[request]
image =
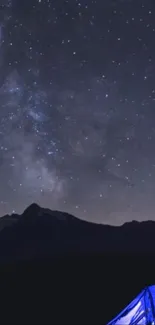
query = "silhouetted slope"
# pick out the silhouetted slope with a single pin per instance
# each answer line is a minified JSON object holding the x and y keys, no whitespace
{"x":8,"y":221}
{"x":40,"y":232}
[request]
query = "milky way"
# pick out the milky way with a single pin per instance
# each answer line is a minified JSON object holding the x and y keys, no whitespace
{"x":77,"y":107}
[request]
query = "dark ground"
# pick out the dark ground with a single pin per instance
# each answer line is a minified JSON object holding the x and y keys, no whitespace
{"x":73,"y":290}
{"x":88,"y":285}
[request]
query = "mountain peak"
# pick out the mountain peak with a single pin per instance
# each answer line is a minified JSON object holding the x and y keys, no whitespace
{"x":33,"y":208}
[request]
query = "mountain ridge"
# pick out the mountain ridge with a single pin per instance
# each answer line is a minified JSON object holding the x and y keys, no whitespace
{"x":40,"y":232}
{"x":35,"y":208}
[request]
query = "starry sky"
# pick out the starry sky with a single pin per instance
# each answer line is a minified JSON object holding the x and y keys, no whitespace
{"x":77,"y":107}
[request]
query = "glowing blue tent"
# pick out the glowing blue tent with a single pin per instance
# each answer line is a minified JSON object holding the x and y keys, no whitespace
{"x":141,"y":311}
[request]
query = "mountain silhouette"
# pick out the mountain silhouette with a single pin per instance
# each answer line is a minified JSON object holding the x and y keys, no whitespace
{"x":58,"y":269}
{"x":40,"y":232}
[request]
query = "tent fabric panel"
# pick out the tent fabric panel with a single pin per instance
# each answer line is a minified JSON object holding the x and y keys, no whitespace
{"x":141,"y":311}
{"x":128,"y":310}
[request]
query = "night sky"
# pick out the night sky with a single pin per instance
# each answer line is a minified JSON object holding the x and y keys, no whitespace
{"x":77,"y":107}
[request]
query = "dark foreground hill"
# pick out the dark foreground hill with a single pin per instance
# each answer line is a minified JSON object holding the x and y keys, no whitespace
{"x":55,"y":268}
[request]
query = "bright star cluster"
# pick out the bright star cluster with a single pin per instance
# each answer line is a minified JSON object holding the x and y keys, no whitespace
{"x":77,"y":107}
